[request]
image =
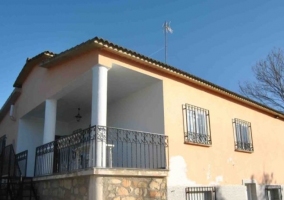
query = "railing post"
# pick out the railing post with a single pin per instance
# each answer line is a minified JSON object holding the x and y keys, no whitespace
{"x":68,"y":159}
{"x":20,"y":192}
{"x":2,"y":156}
{"x":55,"y":157}
{"x":26,"y":165}
{"x":109,"y":154}
{"x":92,"y":150}
{"x":9,"y":165}
{"x":35,"y":167}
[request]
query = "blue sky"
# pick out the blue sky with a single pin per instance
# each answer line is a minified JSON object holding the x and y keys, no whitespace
{"x":216,"y":40}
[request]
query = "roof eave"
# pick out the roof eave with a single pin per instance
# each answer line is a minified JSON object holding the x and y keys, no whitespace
{"x":181,"y":74}
{"x":70,"y":53}
{"x":108,"y":46}
{"x":30,"y":63}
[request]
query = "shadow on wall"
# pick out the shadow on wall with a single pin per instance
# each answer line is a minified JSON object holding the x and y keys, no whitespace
{"x":219,"y":195}
{"x":266,"y":179}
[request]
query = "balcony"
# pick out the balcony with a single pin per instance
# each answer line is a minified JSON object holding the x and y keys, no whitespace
{"x":102,"y":147}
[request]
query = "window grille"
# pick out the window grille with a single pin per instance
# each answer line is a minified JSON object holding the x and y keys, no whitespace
{"x":197,"y":125}
{"x":273,"y":192}
{"x":243,"y":135}
{"x":200,"y":193}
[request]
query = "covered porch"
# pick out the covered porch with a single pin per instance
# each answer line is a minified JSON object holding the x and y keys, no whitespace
{"x":121,"y":125}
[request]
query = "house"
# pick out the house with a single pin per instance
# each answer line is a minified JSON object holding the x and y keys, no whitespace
{"x":99,"y":121}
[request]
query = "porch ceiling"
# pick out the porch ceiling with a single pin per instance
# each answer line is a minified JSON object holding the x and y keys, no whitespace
{"x":121,"y":83}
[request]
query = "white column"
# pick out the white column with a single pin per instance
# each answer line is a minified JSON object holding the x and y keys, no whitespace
{"x":49,"y":120}
{"x":99,"y":95}
{"x":99,"y":111}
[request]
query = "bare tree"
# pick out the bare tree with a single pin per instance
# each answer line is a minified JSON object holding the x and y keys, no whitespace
{"x":268,"y":87}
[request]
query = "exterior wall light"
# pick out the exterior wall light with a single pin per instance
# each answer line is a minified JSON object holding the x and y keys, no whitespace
{"x":78,"y":116}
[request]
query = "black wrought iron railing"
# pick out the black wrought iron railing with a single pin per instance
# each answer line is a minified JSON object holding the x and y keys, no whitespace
{"x":12,"y":174}
{"x":198,"y":138}
{"x":244,"y":146}
{"x":2,"y":147}
{"x":200,"y":193}
{"x":22,"y":161}
{"x":44,"y":160}
{"x":101,"y":146}
{"x":9,"y":165}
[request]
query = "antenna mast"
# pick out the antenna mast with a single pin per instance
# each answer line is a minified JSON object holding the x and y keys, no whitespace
{"x":167,"y":29}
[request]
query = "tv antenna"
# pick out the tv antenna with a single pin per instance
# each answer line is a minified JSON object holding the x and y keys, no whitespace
{"x":167,"y":29}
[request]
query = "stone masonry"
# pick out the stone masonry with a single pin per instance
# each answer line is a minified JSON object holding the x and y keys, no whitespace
{"x":135,"y":188}
{"x":114,"y":184}
{"x":64,"y":189}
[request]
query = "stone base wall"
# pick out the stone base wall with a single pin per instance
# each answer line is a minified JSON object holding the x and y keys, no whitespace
{"x":75,"y":188}
{"x":135,"y":188}
{"x":104,"y":184}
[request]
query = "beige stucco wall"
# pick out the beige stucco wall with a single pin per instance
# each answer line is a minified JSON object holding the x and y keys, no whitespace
{"x":9,"y":128}
{"x":218,"y":164}
{"x":42,"y":84}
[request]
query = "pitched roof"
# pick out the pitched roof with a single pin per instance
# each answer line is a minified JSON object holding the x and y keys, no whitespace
{"x":119,"y":50}
{"x":30,"y":63}
{"x":49,"y":59}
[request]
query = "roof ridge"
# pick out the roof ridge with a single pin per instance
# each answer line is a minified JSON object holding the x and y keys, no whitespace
{"x":50,"y":53}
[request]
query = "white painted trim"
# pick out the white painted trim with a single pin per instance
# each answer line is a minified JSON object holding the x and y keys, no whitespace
{"x":246,"y":181}
{"x":49,"y":120}
{"x":108,"y":172}
{"x":99,"y":95}
{"x":99,"y":117}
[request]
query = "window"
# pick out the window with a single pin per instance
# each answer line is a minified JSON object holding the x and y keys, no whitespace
{"x":200,"y":193}
{"x":273,"y":192}
{"x":243,"y":136}
{"x":197,"y":126}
